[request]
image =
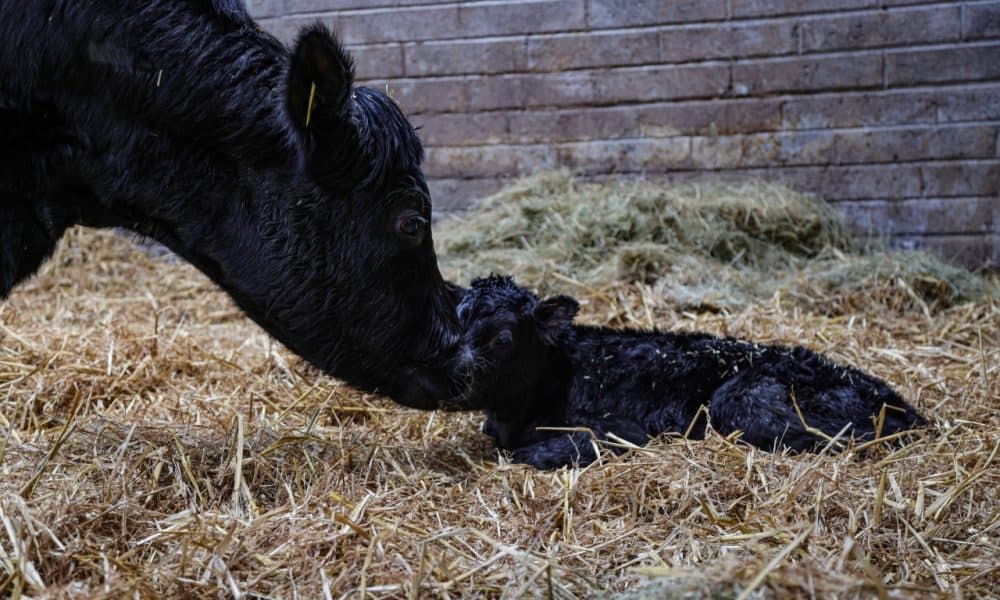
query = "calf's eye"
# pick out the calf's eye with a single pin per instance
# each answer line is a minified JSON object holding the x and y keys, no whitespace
{"x":502,"y":339}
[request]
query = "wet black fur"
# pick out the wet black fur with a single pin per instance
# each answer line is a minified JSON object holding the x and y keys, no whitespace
{"x":181,"y":120}
{"x":534,"y":368}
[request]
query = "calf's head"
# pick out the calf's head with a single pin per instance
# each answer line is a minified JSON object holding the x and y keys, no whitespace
{"x":512,"y":335}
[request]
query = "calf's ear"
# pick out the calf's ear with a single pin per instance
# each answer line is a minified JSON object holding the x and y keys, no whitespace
{"x":554,"y":316}
{"x":320,"y":81}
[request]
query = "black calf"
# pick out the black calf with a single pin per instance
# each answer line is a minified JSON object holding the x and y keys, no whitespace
{"x":534,"y":369}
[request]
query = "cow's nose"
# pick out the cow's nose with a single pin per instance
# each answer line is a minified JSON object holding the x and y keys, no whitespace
{"x":465,"y":369}
{"x":462,"y":367}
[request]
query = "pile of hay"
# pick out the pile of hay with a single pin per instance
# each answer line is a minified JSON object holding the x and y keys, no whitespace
{"x":707,"y":246}
{"x":154,"y":441}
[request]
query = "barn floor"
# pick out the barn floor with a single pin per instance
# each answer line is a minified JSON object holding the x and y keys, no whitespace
{"x":156,"y":442}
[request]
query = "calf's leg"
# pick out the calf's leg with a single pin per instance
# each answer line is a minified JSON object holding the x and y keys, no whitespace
{"x":577,"y":448}
{"x":761,"y":407}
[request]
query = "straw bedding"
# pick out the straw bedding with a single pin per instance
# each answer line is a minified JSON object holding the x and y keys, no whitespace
{"x":156,"y":442}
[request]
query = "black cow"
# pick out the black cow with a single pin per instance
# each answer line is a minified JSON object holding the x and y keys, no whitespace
{"x":299,"y":194}
{"x":534,"y":369}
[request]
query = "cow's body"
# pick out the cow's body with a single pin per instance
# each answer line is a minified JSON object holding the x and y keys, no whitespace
{"x":299,"y":194}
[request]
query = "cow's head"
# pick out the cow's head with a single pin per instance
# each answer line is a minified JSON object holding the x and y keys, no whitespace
{"x":384,"y":319}
{"x":299,"y":194}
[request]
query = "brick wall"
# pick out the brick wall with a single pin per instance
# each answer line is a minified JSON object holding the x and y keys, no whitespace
{"x":889,"y":108}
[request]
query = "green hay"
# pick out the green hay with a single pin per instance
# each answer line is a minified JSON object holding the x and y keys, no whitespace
{"x":708,"y":246}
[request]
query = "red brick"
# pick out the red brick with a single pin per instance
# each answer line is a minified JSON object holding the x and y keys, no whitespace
{"x":843,"y":31}
{"x":882,"y":28}
{"x":762,"y":150}
{"x":464,"y":57}
{"x":285,"y":30}
{"x":911,"y":67}
{"x":923,"y":25}
{"x":873,"y":146}
{"x":303,"y":6}
{"x":970,"y":250}
{"x":454,"y":195}
{"x":894,"y":3}
{"x":834,"y":182}
{"x":624,"y":156}
{"x":381,"y":61}
{"x":870,"y":181}
{"x":950,"y":216}
{"x":507,"y":18}
{"x":502,"y":89}
{"x":808,"y":74}
{"x":487,"y":161}
{"x":892,"y":107}
{"x":982,"y":20}
{"x":624,"y":13}
{"x":442,"y":22}
{"x":722,"y":152}
{"x":788,"y":148}
{"x":426,"y":95}
{"x":861,"y":110}
{"x":312,"y":6}
{"x":559,"y":89}
{"x":272,"y":26}
{"x":534,"y":90}
{"x":391,"y":25}
{"x":497,"y":92}
{"x":699,"y":176}
{"x":566,"y":125}
{"x":710,"y":117}
{"x":730,"y":40}
{"x":574,"y":51}
{"x":971,"y":104}
{"x":865,"y":182}
{"x":762,"y":8}
{"x":962,"y":179}
{"x":818,"y":147}
{"x":264,"y":8}
{"x":603,"y":157}
{"x":649,"y":84}
{"x":460,"y":129}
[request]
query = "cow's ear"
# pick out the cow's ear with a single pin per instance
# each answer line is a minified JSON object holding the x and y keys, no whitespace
{"x":554,"y":317}
{"x":320,"y":80}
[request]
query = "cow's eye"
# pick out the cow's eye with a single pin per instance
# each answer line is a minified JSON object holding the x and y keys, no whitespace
{"x":412,"y":226}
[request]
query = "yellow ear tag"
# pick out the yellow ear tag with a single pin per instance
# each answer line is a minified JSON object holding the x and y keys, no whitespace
{"x":312,"y":98}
